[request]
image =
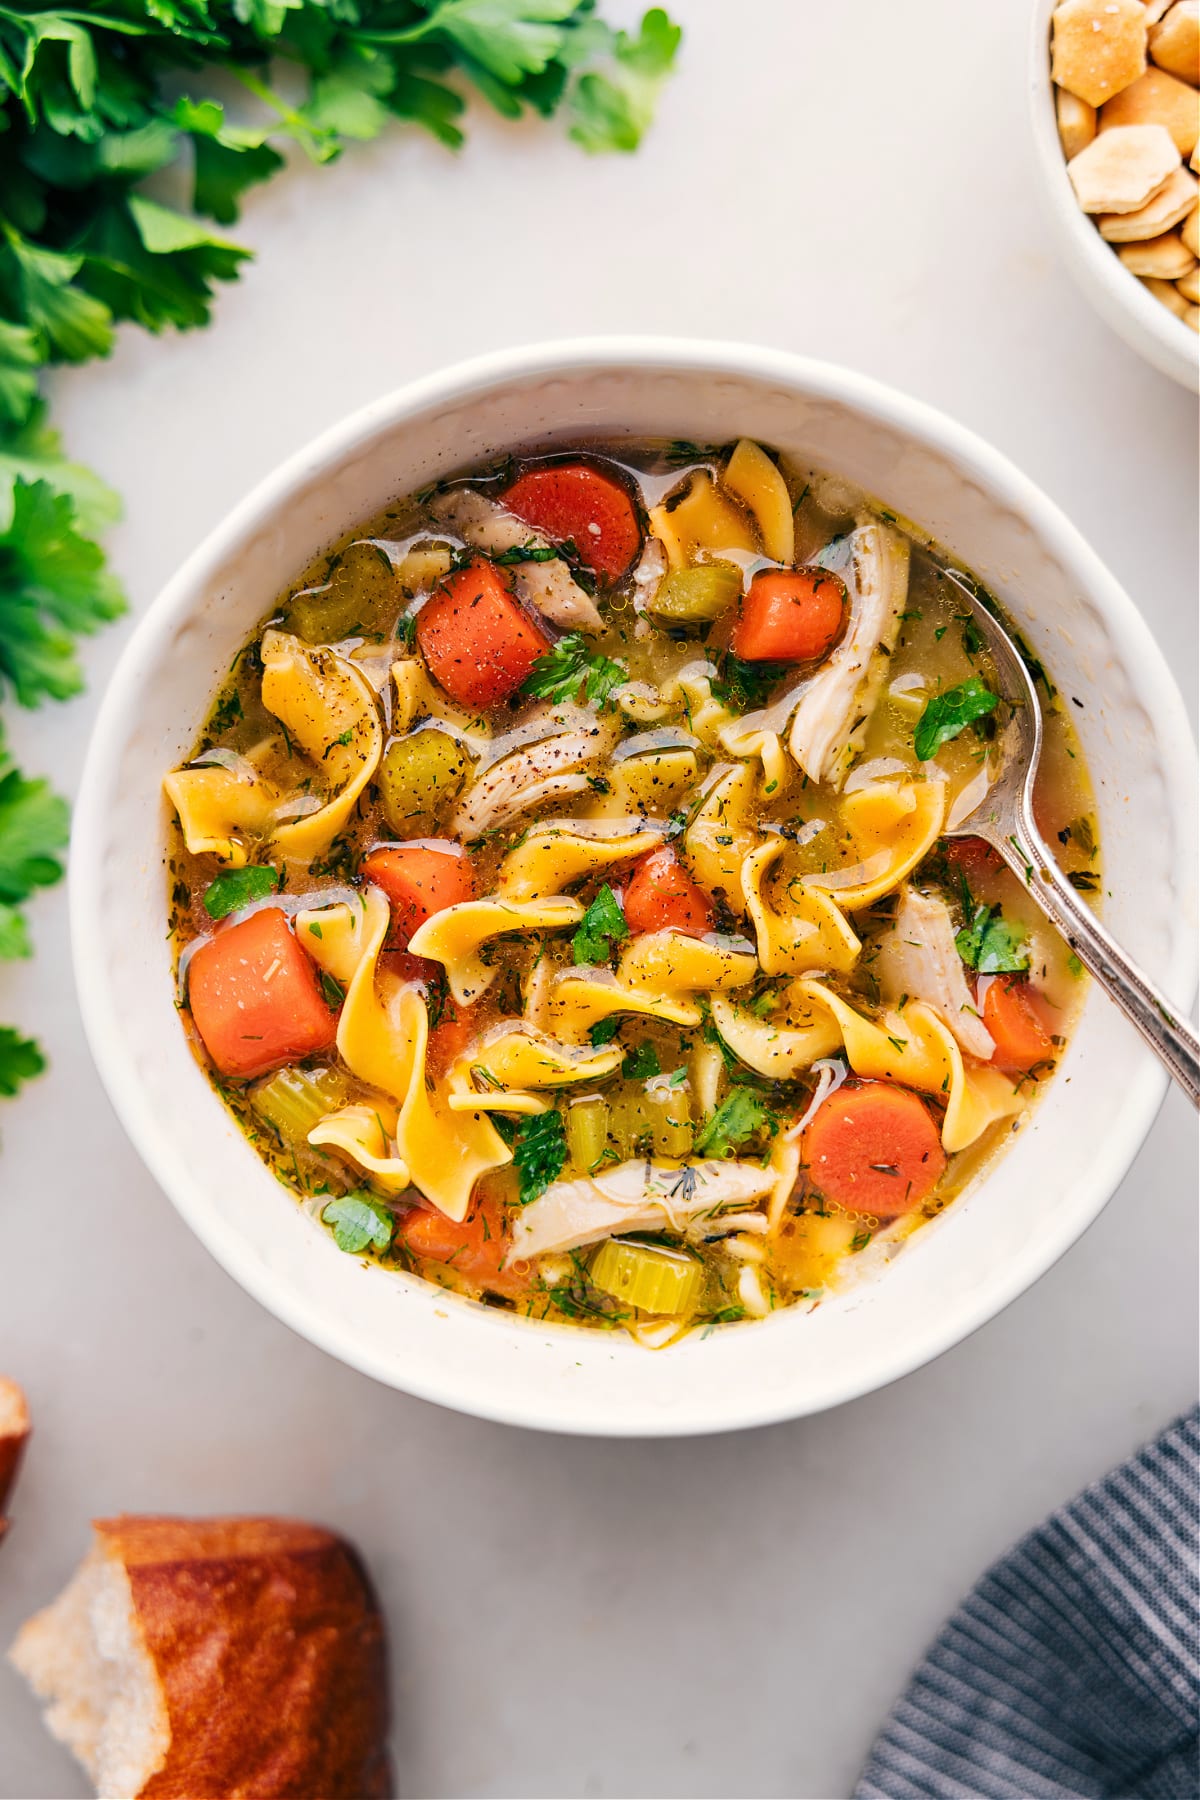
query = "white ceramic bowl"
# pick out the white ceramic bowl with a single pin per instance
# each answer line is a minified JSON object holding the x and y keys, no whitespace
{"x":960,"y":1270}
{"x":1119,"y":297}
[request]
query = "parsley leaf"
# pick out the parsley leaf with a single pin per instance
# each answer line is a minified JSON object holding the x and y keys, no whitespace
{"x":33,"y":452}
{"x":611,"y":108}
{"x":33,"y":829}
{"x":573,"y":671}
{"x":741,"y":1115}
{"x":540,"y":1154}
{"x":604,"y":1030}
{"x":641,"y":1063}
{"x":991,"y":945}
{"x":748,"y":685}
{"x":600,"y":930}
{"x":20,"y":1060}
{"x":359,"y":1221}
{"x":238,"y":887}
{"x":53,"y":585}
{"x":949,"y":713}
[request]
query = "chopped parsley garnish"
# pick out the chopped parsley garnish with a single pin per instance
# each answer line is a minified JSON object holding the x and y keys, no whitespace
{"x":741,"y":1115}
{"x":333,"y":990}
{"x":973,"y":640}
{"x":572,"y":671}
{"x":949,"y":713}
{"x":238,"y":887}
{"x":747,"y":685}
{"x":1082,"y":881}
{"x":540,"y":1154}
{"x":604,"y":1030}
{"x":600,"y":930}
{"x":641,"y":1063}
{"x":992,"y":945}
{"x":359,"y":1221}
{"x":523,"y":553}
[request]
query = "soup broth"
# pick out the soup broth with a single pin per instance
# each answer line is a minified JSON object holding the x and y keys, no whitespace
{"x":563,"y":899}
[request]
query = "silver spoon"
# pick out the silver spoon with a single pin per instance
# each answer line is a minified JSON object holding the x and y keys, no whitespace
{"x":1004,"y":819}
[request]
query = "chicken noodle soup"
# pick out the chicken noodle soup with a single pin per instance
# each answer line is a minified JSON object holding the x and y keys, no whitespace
{"x":563,"y":898}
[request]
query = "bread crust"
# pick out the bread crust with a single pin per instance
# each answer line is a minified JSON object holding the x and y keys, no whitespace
{"x":269,"y":1645}
{"x":14,"y":1434}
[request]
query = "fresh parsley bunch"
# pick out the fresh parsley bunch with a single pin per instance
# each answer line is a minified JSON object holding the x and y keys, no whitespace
{"x":98,"y":101}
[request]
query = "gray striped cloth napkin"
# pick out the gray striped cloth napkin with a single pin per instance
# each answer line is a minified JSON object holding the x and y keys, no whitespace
{"x":1073,"y":1669}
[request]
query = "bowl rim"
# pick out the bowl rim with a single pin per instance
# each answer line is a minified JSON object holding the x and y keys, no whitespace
{"x":1119,"y":297}
{"x":322,"y":456}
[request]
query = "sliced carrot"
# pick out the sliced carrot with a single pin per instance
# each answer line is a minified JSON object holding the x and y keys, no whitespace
{"x":574,"y":502}
{"x":407,"y":967}
{"x":662,"y":896}
{"x":479,"y":644}
{"x":1017,"y":1028}
{"x":475,"y":1249}
{"x":791,"y":616}
{"x":450,"y":1036}
{"x":255,"y":998}
{"x":974,"y":856}
{"x":874,"y":1148}
{"x":418,"y":883}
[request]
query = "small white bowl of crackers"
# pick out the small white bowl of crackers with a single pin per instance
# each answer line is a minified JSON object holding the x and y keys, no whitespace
{"x":1116,"y":122}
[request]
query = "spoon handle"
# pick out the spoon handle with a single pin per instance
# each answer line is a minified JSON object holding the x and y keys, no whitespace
{"x":1168,"y":1035}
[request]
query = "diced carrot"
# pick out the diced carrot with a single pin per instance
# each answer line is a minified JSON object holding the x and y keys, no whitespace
{"x":974,"y":856}
{"x":418,"y":883}
{"x":255,"y":998}
{"x":874,"y":1148}
{"x":407,"y":967}
{"x":1011,"y":1015}
{"x":475,"y":1249}
{"x":662,"y":896}
{"x":574,"y":502}
{"x":790,"y":616}
{"x":450,"y":1036}
{"x":479,"y":644}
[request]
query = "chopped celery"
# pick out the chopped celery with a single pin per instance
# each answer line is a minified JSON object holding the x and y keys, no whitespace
{"x":669,"y":1115}
{"x":324,"y":615}
{"x":689,"y":596}
{"x":292,"y":1100}
{"x":628,"y":1126}
{"x":587,"y":1132}
{"x":419,"y":776}
{"x":647,"y":1276}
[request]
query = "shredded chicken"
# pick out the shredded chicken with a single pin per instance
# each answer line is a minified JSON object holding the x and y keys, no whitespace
{"x":648,"y":576}
{"x":549,"y":586}
{"x":545,"y":770}
{"x":637,"y":1196}
{"x":920,"y":959}
{"x":836,"y":703}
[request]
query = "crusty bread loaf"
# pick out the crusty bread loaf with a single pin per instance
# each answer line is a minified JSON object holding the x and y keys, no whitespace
{"x":203,"y":1659}
{"x":14,"y":1430}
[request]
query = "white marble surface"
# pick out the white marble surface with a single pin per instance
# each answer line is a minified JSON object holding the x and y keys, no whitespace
{"x":715,"y":1617}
